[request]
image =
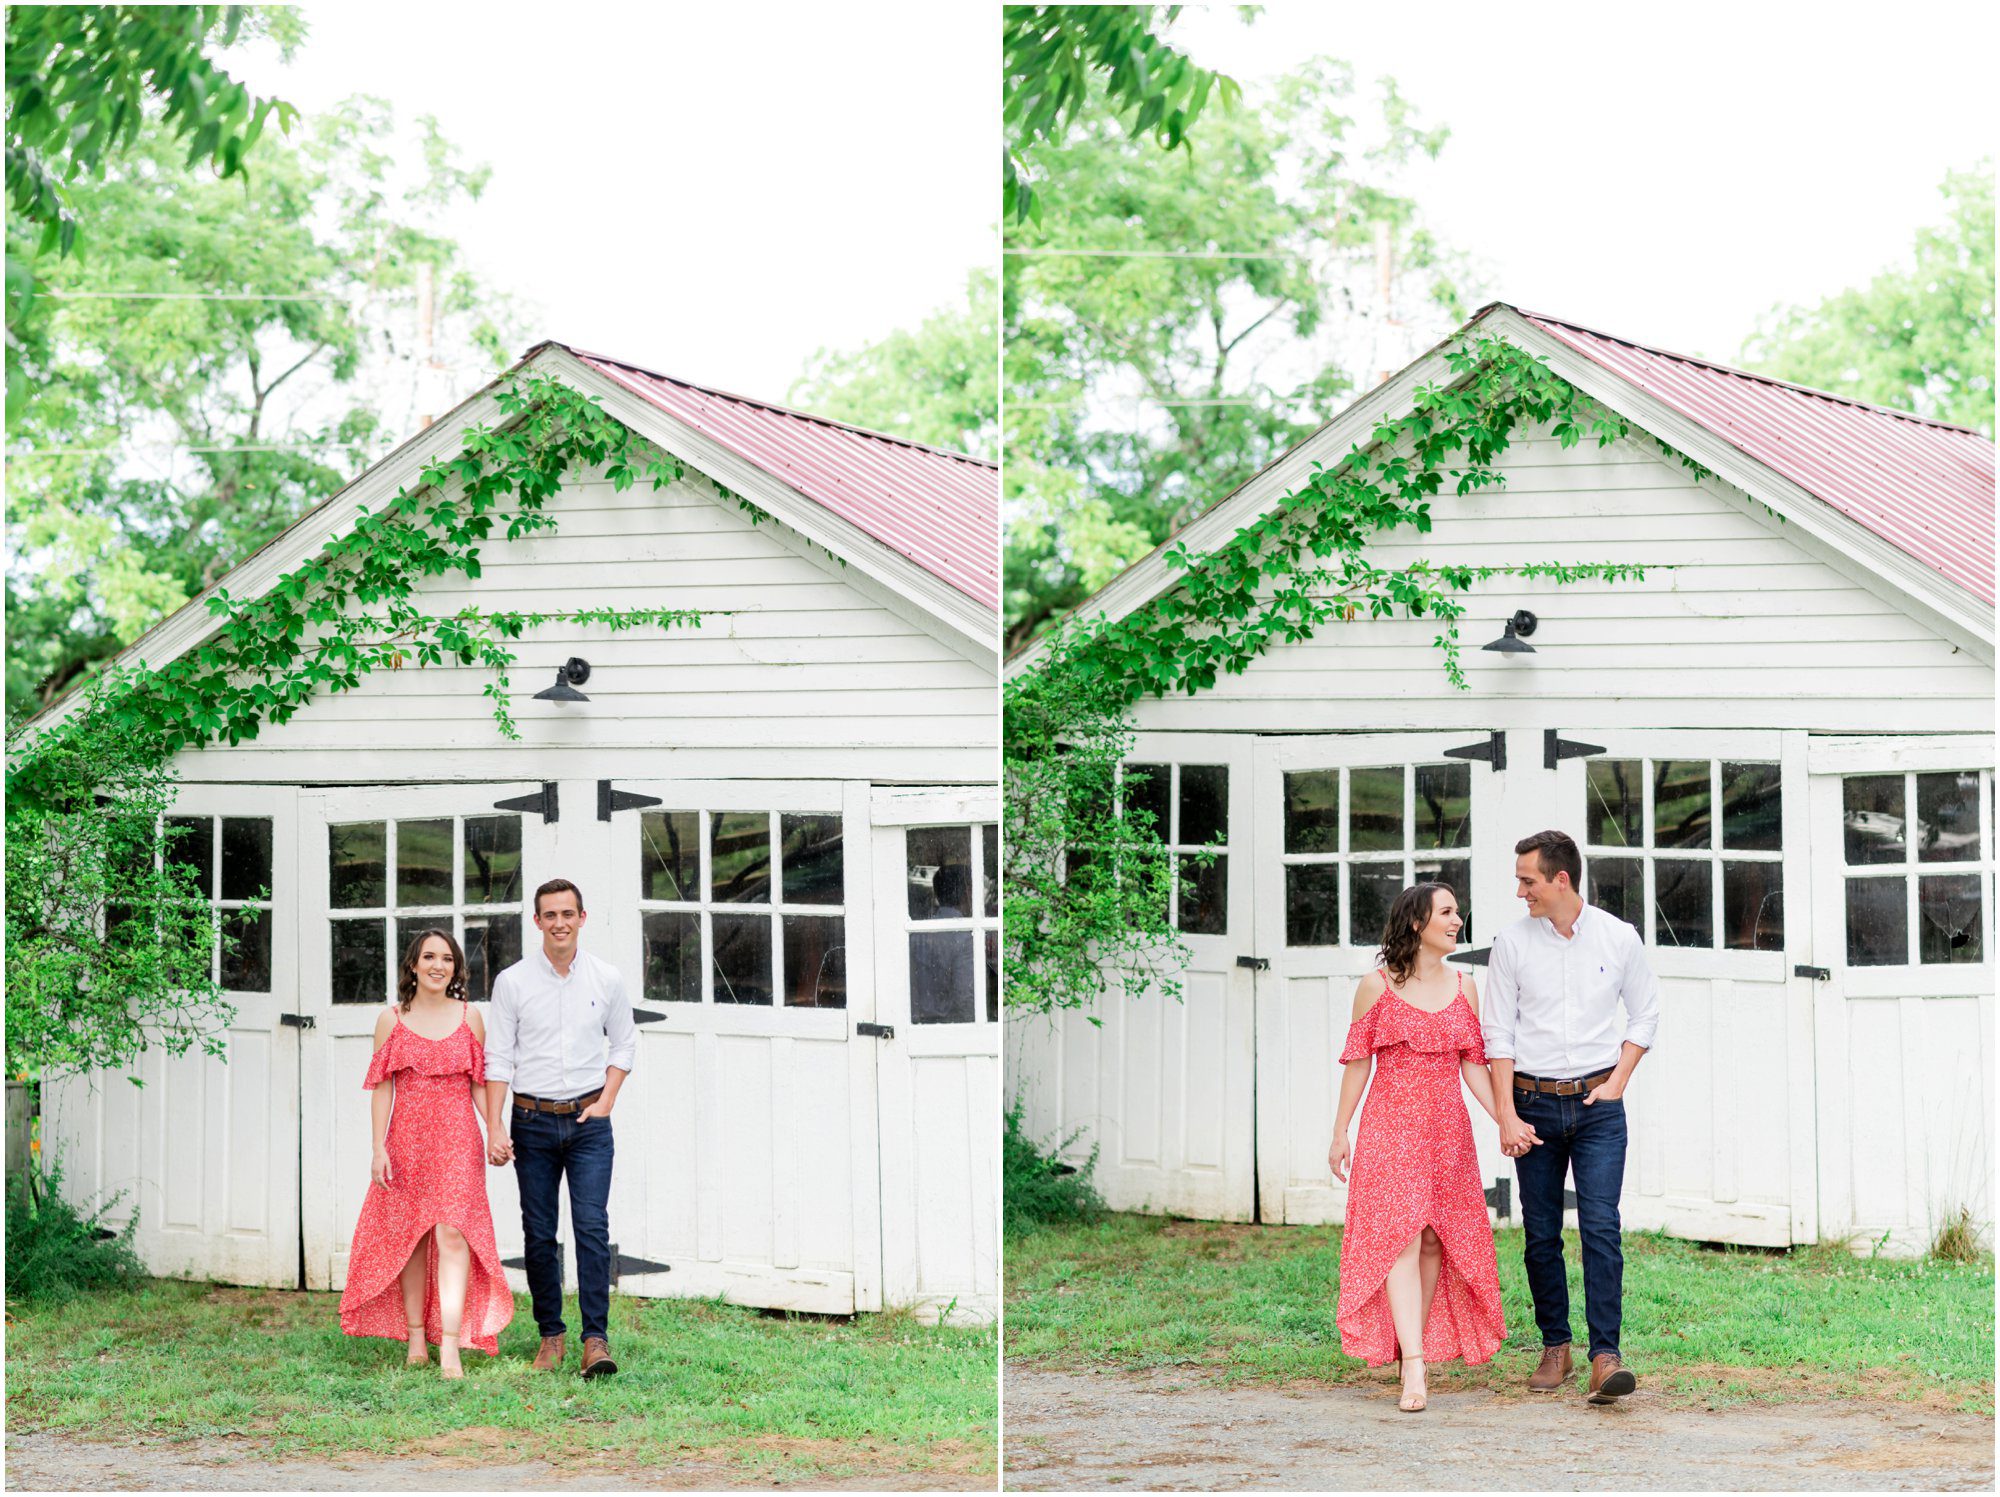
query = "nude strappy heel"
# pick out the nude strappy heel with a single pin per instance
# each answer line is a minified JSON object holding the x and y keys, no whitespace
{"x":422,"y":1357}
{"x":449,"y":1338}
{"x":1412,"y":1403}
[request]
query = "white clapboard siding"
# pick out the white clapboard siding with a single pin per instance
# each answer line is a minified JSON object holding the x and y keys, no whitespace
{"x":1700,"y":645}
{"x":800,"y":667}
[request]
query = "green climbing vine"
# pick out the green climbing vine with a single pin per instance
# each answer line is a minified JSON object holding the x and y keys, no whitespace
{"x":1293,"y":570}
{"x":110,"y":943}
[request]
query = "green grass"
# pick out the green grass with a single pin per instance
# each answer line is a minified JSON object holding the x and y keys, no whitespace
{"x":783,"y":1396}
{"x":1700,"y":1323}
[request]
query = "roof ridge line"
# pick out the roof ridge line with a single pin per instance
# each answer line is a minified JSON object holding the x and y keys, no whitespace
{"x":769,"y":405}
{"x":1731,"y":369}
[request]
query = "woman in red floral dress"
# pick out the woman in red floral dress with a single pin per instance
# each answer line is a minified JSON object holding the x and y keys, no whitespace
{"x":424,"y":1266}
{"x":1418,"y":1279}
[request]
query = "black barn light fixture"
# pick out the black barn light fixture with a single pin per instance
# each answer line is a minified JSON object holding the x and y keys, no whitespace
{"x":1514,"y":641}
{"x":571,"y":674}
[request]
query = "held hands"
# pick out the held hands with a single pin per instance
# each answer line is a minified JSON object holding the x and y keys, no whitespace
{"x":379,"y":1169}
{"x":1516,"y":1137}
{"x":499,"y":1149}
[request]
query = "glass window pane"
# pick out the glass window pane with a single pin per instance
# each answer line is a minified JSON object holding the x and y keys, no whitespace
{"x":1375,"y":810}
{"x":357,"y":865}
{"x":423,"y":863}
{"x":815,"y":961}
{"x":1681,"y":796}
{"x":1947,"y":818}
{"x":813,"y":860}
{"x":1872,"y":818}
{"x":1312,"y":905}
{"x":742,"y":958}
{"x":672,"y":940}
{"x":1146,"y":790}
{"x":1204,"y":804}
{"x":247,"y":969}
{"x":1950,"y":923}
{"x":1372,"y":888}
{"x":1878,"y":921}
{"x":1684,"y":914}
{"x":1614,"y":803}
{"x":190,"y":844}
{"x":1457,"y":872}
{"x":670,"y":855}
{"x":492,"y":860}
{"x":989,"y":852}
{"x":246,"y":855}
{"x":1752,"y":808}
{"x":492,"y":945}
{"x":1618,"y":887}
{"x":1444,"y":805}
{"x":940,"y":872}
{"x":1204,"y":897}
{"x":360,"y":961}
{"x":1753,"y":905}
{"x":1312,"y":811}
{"x":739,"y":858}
{"x":993,"y":977}
{"x":941,"y":977}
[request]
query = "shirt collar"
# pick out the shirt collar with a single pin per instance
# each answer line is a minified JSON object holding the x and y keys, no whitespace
{"x":542,"y":959}
{"x":1582,"y":915}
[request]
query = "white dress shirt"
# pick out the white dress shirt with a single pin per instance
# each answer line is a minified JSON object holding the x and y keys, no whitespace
{"x":553,"y":1036}
{"x":1552,"y":1004}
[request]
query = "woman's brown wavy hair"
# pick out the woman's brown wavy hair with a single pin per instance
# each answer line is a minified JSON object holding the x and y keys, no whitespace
{"x":1409,"y":913}
{"x":406,"y":977}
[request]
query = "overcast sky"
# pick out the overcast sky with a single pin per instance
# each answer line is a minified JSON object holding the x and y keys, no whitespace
{"x":714,"y":190}
{"x":1663,"y":173}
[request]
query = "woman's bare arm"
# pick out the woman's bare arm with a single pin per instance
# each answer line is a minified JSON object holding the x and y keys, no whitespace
{"x":1353,"y":1082}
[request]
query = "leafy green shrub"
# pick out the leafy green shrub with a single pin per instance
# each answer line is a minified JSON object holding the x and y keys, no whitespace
{"x":1039,"y":1189}
{"x":55,"y":1251}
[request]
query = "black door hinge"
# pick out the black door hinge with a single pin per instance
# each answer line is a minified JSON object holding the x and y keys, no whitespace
{"x":1255,"y":963}
{"x":647,"y":1016}
{"x":1493,"y":751}
{"x":1555,"y":747}
{"x":876,"y":1031}
{"x":543,"y":800}
{"x":298,"y":1021}
{"x":609,"y":800}
{"x":1477,"y":957}
{"x":624,"y":1263}
{"x":1817,"y":974}
{"x":1500,"y":1196}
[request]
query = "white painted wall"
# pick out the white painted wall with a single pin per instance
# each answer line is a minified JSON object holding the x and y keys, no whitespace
{"x":804,"y":667}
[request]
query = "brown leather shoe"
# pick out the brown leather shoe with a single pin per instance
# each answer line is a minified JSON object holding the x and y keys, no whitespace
{"x":1610,"y":1379}
{"x":550,"y":1357}
{"x":597,"y":1358}
{"x":1554,"y":1370}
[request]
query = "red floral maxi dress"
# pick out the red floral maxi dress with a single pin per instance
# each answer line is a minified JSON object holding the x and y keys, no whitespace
{"x":437,"y":1165}
{"x":1415,"y":1166}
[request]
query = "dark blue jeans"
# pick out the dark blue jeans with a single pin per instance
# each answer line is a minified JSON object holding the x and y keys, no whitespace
{"x":1590,"y":1143}
{"x":545,"y":1146}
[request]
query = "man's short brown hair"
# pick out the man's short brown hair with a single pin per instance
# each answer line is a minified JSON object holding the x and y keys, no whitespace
{"x":1555,"y":853}
{"x":558,"y":886}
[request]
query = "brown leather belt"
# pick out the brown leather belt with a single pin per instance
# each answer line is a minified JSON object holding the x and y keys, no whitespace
{"x":563,"y":1108}
{"x":1559,"y":1088}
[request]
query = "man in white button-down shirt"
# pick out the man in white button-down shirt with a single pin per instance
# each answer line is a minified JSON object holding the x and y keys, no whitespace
{"x":561,"y":1035}
{"x":1561,"y":1059}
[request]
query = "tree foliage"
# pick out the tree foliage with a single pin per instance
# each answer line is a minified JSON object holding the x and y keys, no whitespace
{"x":83,"y":80}
{"x":1147,"y":380}
{"x":938,"y":383}
{"x":1054,"y":56}
{"x":1918,"y":338}
{"x":165,"y":438}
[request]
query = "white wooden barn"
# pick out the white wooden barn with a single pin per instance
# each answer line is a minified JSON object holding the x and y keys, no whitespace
{"x":756,"y":810}
{"x":1778,"y":758}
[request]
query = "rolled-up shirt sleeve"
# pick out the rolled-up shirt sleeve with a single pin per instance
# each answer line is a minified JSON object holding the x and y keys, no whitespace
{"x":502,"y":1019}
{"x":619,"y":1027}
{"x":1640,"y":990}
{"x":1502,"y":1000}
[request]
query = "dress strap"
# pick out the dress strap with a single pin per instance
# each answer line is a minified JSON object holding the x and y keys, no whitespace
{"x":1461,"y":984}
{"x":1383,"y":973}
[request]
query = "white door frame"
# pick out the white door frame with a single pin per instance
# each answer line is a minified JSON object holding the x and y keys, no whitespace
{"x":939,"y":1089}
{"x":1304,"y":998}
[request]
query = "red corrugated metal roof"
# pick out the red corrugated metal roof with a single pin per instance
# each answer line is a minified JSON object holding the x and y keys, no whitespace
{"x":1923,"y":486}
{"x":940,"y":509}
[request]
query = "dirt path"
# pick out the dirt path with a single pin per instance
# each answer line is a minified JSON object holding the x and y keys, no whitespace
{"x":1169,"y":1431}
{"x":43,"y":1462}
